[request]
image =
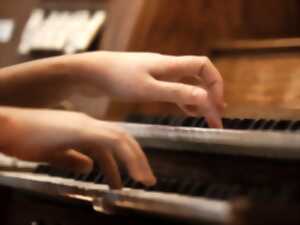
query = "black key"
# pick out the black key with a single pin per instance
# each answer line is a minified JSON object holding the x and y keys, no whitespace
{"x":202,"y":189}
{"x":173,"y":185}
{"x":258,"y":125}
{"x":212,"y":191}
{"x":224,"y":192}
{"x":84,"y":177}
{"x":136,"y":185}
{"x":126,"y":181}
{"x":235,"y":124}
{"x":201,"y":123}
{"x":226,"y":123}
{"x":269,"y":125}
{"x":246,"y":124}
{"x":295,"y":126}
{"x":220,"y":191}
{"x":188,"y":122}
{"x":54,"y":172}
{"x":65,"y":174}
{"x":235,"y":191}
{"x":92,"y":175}
{"x":42,"y":169}
{"x":184,"y":186}
{"x":282,"y":125}
{"x":165,"y":120}
{"x":99,"y":178}
{"x":194,"y":188}
{"x":134,"y":118}
{"x":130,"y":183}
{"x":149,"y":120}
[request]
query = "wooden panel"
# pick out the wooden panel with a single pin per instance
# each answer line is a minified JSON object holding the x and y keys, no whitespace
{"x":270,"y":18}
{"x":11,"y":9}
{"x":191,"y":26}
{"x":121,"y":24}
{"x":260,"y":83}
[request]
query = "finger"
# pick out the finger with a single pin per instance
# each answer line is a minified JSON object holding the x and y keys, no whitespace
{"x":134,"y":160}
{"x":179,"y":93}
{"x":183,"y":94}
{"x":213,"y":120}
{"x":214,"y":83}
{"x":109,"y":137}
{"x":72,"y":160}
{"x":144,"y":163}
{"x":202,"y":67}
{"x":108,"y":165}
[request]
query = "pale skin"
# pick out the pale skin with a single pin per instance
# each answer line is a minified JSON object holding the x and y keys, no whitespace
{"x":74,"y":140}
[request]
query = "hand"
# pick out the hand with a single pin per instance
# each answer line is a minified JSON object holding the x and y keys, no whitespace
{"x":155,"y":77}
{"x":70,"y":140}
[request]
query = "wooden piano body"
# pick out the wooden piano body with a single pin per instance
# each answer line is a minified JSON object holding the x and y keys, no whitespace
{"x":235,"y":176}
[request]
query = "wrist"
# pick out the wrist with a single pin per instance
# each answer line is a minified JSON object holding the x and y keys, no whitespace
{"x":88,"y":70}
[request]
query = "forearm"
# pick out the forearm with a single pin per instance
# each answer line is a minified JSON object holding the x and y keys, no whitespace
{"x":41,"y":82}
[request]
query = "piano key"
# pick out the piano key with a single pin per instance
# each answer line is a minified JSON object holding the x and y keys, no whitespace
{"x":42,"y":168}
{"x":295,"y":126}
{"x":202,"y":189}
{"x":194,"y":188}
{"x":266,"y":193}
{"x":235,"y":124}
{"x":269,"y":125}
{"x":174,"y":121}
{"x":185,"y":186}
{"x":125,"y":180}
{"x":84,"y":177}
{"x":229,"y":123}
{"x":211,"y":191}
{"x":99,"y":178}
{"x":200,"y":123}
{"x":164,"y":120}
{"x":224,"y":191}
{"x":218,"y":191}
{"x":254,"y":193}
{"x":282,"y":125}
{"x":188,"y":122}
{"x":92,"y":175}
{"x":172,"y":185}
{"x":130,"y":183}
{"x":246,"y":124}
{"x":134,"y":118}
{"x":53,"y":171}
{"x":235,"y":191}
{"x":148,"y":120}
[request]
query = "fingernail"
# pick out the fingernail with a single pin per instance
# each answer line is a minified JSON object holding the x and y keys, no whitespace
{"x":150,"y":181}
{"x":197,"y":92}
{"x":86,"y":169}
{"x":153,"y":180}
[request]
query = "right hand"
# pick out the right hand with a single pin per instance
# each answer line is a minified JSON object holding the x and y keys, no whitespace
{"x":71,"y":140}
{"x":150,"y":77}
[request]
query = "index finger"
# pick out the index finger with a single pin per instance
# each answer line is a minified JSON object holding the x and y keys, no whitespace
{"x":213,"y":81}
{"x":195,"y":67}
